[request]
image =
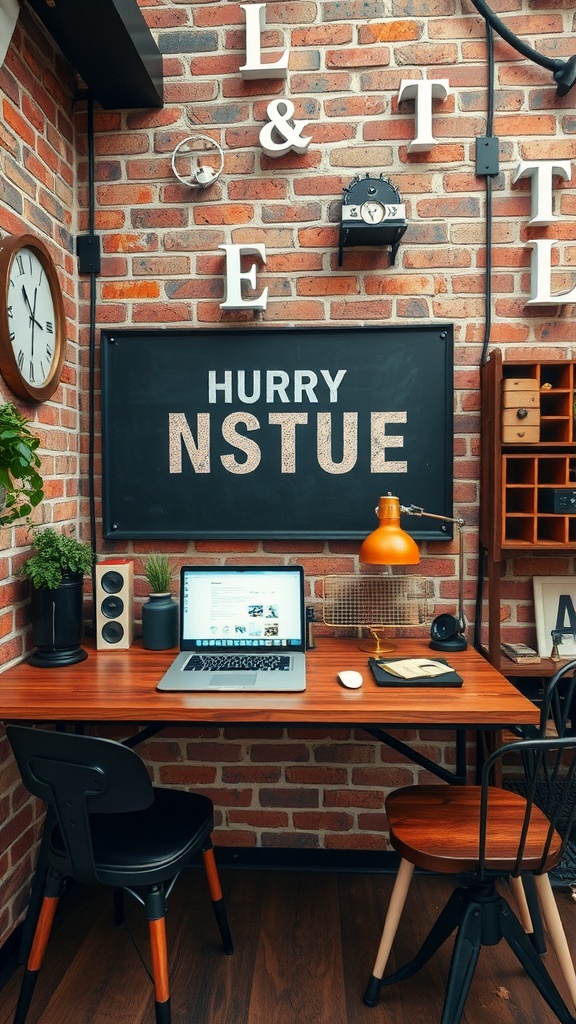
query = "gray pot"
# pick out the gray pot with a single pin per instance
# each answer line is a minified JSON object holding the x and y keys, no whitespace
{"x":159,"y":623}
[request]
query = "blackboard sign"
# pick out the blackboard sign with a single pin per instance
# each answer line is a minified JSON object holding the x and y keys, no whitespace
{"x":264,"y":432}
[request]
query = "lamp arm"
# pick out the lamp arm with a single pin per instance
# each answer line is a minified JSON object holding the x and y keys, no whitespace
{"x":563,"y":71}
{"x":417,"y":510}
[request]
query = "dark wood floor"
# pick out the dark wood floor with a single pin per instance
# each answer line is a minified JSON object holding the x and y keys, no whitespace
{"x":305,"y":944}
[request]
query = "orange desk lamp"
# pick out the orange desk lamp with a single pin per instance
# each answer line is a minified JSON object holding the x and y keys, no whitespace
{"x":389,"y":544}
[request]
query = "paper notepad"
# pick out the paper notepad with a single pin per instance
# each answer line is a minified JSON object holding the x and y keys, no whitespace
{"x":415,"y":668}
{"x":413,"y":672}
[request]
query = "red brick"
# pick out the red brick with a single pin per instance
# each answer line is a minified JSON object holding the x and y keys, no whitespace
{"x":353,"y":797}
{"x":290,"y":840}
{"x":391,"y":31}
{"x":259,"y":819}
{"x":322,"y":35}
{"x":323,"y":821}
{"x":251,"y":775}
{"x":276,"y":752}
{"x":313,"y":775}
{"x":353,"y":841}
{"x":233,"y":837}
{"x":18,"y":124}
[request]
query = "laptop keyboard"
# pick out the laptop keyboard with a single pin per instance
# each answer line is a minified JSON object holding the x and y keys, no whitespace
{"x":233,"y":663}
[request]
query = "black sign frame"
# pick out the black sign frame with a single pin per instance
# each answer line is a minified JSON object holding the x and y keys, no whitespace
{"x":270,"y":433}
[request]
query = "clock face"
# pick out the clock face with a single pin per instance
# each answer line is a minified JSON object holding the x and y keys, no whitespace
{"x":31,"y":317}
{"x":32,"y":335}
{"x":372,"y":212}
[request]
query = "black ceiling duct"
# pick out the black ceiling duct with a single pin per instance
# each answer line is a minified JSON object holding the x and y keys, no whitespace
{"x":111,"y":47}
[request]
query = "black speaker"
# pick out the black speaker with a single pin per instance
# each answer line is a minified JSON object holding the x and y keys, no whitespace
{"x":445,"y":634}
{"x":114,"y":601}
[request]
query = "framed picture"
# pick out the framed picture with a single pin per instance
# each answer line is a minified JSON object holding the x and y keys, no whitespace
{"x":555,"y":609}
{"x":275,"y":433}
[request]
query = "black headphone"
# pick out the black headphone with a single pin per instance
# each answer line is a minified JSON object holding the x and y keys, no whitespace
{"x":446,"y":635}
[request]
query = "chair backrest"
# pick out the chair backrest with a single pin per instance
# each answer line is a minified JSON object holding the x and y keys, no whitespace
{"x":548,"y":788}
{"x":79,"y":776}
{"x":559,"y":701}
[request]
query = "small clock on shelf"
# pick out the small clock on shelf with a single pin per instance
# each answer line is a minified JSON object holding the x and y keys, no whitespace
{"x":372,"y":214}
{"x":32,"y":318}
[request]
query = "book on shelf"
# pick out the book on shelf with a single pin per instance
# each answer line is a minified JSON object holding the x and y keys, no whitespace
{"x":521,"y":654}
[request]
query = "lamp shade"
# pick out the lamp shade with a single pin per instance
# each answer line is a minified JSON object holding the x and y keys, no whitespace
{"x":389,"y":544}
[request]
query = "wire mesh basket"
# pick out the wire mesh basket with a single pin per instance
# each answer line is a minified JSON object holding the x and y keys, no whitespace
{"x":376,"y":603}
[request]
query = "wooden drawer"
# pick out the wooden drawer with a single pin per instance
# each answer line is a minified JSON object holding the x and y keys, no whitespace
{"x":520,"y":433}
{"x":511,"y":384}
{"x":519,"y":399}
{"x":521,"y":417}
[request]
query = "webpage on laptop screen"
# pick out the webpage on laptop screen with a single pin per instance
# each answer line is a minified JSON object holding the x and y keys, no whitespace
{"x":244,"y":609}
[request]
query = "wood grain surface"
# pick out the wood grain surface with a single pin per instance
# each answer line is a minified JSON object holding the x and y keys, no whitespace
{"x":121,"y":686}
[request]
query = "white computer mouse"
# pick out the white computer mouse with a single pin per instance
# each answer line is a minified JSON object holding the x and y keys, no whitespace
{"x":351,"y":679}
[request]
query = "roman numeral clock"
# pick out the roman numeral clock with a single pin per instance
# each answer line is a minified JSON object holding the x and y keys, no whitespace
{"x":32,"y":318}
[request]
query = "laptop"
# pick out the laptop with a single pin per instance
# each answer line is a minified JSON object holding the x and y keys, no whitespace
{"x":241,"y":628}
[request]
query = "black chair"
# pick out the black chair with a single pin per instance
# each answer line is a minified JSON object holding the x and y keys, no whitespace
{"x":557,"y":718}
{"x":107,"y":824}
{"x":558,"y":706}
{"x":486,"y":832}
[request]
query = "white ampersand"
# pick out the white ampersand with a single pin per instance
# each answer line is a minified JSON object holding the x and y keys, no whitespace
{"x":282,"y":127}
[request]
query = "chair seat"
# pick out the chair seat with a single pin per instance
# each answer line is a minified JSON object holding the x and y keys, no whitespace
{"x":436,"y":828}
{"x":149,"y":844}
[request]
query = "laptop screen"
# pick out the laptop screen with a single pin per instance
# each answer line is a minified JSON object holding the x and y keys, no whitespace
{"x":242,"y":607}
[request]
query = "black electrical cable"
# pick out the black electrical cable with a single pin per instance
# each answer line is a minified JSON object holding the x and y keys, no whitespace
{"x":487,"y":307}
{"x":488,"y":212}
{"x":92,"y":339}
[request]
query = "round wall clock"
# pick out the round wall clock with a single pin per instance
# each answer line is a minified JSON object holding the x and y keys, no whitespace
{"x":32,"y":318}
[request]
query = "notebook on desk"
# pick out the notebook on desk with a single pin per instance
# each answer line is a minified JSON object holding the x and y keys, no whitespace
{"x":241,"y":628}
{"x":382,"y":670}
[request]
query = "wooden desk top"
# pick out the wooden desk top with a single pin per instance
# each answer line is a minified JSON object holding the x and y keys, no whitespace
{"x":121,"y":686}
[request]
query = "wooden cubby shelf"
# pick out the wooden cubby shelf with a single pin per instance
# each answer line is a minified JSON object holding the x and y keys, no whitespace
{"x":528,"y":475}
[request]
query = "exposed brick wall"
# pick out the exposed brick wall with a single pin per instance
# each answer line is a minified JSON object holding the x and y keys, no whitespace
{"x":161,"y":265}
{"x":313,"y":788}
{"x":38,"y":192}
{"x":37,"y":195}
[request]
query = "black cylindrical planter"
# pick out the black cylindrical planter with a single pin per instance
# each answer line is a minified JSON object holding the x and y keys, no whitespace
{"x":58,"y":623}
{"x":159,"y":623}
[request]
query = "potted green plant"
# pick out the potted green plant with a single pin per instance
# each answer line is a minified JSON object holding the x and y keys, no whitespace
{"x":21,"y":487}
{"x":159,"y":571}
{"x":160,"y":611}
{"x":56,"y":571}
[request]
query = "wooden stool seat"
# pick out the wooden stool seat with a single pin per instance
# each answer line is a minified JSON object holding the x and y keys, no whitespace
{"x":436,"y":828}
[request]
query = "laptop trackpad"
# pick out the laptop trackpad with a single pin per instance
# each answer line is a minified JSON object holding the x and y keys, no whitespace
{"x":223,"y":680}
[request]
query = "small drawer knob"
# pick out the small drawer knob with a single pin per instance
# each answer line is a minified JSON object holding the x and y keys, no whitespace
{"x":522,"y":414}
